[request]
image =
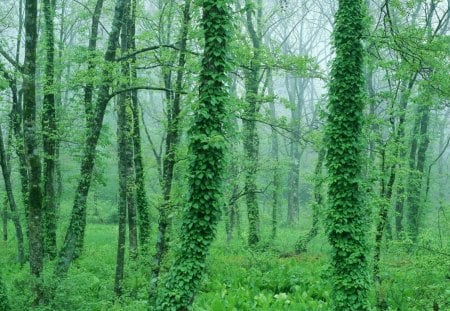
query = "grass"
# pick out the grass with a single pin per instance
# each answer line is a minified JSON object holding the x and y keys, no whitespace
{"x":237,"y":278}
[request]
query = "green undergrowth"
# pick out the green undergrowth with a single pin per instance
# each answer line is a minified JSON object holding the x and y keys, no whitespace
{"x":270,"y":277}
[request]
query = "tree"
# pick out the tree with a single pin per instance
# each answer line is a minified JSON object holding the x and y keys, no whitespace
{"x":11,"y":202}
{"x":172,"y":140}
{"x":34,"y":207}
{"x":347,"y":215}
{"x":75,"y":232}
{"x":49,"y":136}
{"x":207,"y":147}
{"x":250,"y":137}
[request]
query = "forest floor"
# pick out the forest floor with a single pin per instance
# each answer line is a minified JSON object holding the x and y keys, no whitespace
{"x":237,"y":278}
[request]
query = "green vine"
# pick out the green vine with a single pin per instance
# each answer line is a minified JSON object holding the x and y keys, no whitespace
{"x":207,"y":147}
{"x":347,"y":215}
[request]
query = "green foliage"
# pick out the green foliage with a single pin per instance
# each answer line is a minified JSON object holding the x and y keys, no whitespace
{"x":347,"y":215}
{"x":415,"y":282}
{"x":4,"y":305}
{"x":242,"y":279}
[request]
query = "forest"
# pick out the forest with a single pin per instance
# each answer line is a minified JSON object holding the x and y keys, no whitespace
{"x":224,"y":155}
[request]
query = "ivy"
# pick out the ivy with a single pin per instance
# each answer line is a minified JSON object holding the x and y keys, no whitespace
{"x":347,"y":222}
{"x":207,"y":147}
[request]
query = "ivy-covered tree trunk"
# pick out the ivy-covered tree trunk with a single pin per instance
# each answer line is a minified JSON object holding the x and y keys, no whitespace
{"x":347,"y":214}
{"x":73,"y":241}
{"x":123,"y":143}
{"x":142,"y":205}
{"x":250,"y":131}
{"x":126,"y":136}
{"x":36,"y":252}
{"x":49,"y":137}
{"x":169,"y":160}
{"x":207,"y":147}
{"x":12,"y":204}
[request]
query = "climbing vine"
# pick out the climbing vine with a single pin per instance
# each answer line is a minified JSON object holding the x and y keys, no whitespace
{"x":347,"y":222}
{"x":207,"y":147}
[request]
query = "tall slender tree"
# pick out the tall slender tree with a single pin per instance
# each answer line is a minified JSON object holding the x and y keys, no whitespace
{"x":207,"y":146}
{"x":142,"y":204}
{"x":49,"y":136}
{"x":10,"y":200}
{"x":347,"y":215}
{"x":75,"y":232}
{"x":169,"y":160}
{"x":34,"y":207}
{"x":250,"y":131}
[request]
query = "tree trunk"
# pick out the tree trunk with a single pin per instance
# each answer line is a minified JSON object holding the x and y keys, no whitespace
{"x":16,"y":117}
{"x":296,"y":99}
{"x":303,"y":242}
{"x":89,"y":88}
{"x":12,"y":204}
{"x":274,"y":154}
{"x":123,"y":193}
{"x":347,"y":215}
{"x":172,"y":139}
{"x":142,"y":205}
{"x":385,"y":202}
{"x":73,"y":241}
{"x":5,"y":219}
{"x":401,"y":193}
{"x":125,"y":158}
{"x":251,"y":148}
{"x":207,"y":146}
{"x":416,"y":174}
{"x":49,"y":134}
{"x":125,"y":135}
{"x":250,"y":136}
{"x":31,"y":150}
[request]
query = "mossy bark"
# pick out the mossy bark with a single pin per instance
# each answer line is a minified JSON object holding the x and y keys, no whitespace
{"x":49,"y":136}
{"x":250,"y":130}
{"x":34,"y":201}
{"x":142,"y":205}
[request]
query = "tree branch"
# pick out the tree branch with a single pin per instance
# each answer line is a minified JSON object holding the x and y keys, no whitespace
{"x":134,"y":88}
{"x":152,"y":48}
{"x":11,"y":60}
